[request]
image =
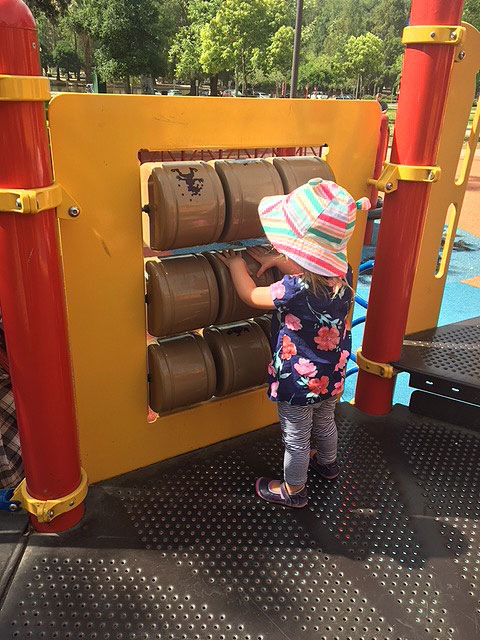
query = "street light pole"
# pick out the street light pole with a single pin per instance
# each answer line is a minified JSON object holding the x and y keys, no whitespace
{"x":296,"y":49}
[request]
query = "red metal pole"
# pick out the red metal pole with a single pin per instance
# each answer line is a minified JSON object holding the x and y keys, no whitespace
{"x":382,"y":148}
{"x":31,"y":287}
{"x":425,"y":80}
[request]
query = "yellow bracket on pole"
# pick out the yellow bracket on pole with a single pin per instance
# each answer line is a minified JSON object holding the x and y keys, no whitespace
{"x":433,"y":34}
{"x":24,"y":89}
{"x":32,"y":201}
{"x":376,"y":368}
{"x":392,"y":173}
{"x":47,"y":510}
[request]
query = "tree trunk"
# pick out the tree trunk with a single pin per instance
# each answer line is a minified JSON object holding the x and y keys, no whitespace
{"x":193,"y":87}
{"x":87,"y":56}
{"x":58,"y":74}
{"x":244,"y":75}
{"x":214,"y":85}
{"x":236,"y":80}
{"x":128,"y":86}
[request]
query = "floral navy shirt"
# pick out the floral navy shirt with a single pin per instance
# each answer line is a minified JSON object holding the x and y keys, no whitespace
{"x":310,"y":341}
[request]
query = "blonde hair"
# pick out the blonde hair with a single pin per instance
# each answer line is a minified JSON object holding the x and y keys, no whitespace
{"x":323,"y":285}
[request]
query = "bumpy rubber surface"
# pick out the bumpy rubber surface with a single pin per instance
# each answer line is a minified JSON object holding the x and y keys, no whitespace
{"x":185,"y":550}
{"x":445,"y":360}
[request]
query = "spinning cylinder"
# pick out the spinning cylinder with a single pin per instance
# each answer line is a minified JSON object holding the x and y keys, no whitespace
{"x":182,"y":294}
{"x":182,"y":372}
{"x":241,"y":353}
{"x":186,"y":205}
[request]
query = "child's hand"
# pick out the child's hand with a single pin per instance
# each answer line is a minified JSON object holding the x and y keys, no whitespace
{"x":231,"y":259}
{"x":266,"y":259}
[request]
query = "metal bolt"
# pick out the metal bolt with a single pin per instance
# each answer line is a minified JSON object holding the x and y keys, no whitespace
{"x":453,"y":35}
{"x":74,"y":212}
{"x":388,"y":186}
{"x":432,"y":34}
{"x":70,"y":504}
{"x":18,"y":203}
{"x":51,"y":513}
{"x":34,"y":45}
{"x":431,"y":175}
{"x":461,"y":55}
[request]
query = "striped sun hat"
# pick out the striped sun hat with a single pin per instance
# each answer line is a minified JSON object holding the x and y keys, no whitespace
{"x":312,"y":225}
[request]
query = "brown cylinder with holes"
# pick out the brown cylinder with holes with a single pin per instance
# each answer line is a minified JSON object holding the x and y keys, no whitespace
{"x":181,"y":371}
{"x":297,"y":170}
{"x":241,"y":353}
{"x":245,"y":183}
{"x":231,"y":308}
{"x":186,"y":205}
{"x":182,"y":294}
{"x":265,"y":324}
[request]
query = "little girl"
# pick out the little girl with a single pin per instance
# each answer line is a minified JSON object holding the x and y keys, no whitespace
{"x":309,"y":228}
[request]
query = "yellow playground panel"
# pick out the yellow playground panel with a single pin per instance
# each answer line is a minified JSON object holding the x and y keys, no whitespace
{"x":95,"y":141}
{"x":446,"y":196}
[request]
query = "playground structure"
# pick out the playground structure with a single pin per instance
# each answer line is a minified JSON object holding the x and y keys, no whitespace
{"x":78,"y":243}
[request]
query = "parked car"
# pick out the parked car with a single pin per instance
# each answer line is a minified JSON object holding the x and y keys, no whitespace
{"x":318,"y":96}
{"x":174,"y":92}
{"x":345,"y":96}
{"x":231,"y":93}
{"x":261,"y":94}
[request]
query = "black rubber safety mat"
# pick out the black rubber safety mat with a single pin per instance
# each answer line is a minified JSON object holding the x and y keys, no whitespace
{"x":184,"y":550}
{"x":445,"y":360}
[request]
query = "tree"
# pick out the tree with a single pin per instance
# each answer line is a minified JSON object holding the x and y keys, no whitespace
{"x":279,"y":52}
{"x":51,"y":9}
{"x":130,"y":39}
{"x":65,"y":57}
{"x":230,"y":39}
{"x":363,"y":59}
{"x":82,"y":16}
{"x":316,"y":71}
{"x":186,"y":49}
{"x":390,"y":17}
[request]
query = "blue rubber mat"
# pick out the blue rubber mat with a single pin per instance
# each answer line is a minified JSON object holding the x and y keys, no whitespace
{"x":464,"y":264}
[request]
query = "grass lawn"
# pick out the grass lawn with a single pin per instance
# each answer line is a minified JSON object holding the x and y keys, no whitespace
{"x":392,"y":112}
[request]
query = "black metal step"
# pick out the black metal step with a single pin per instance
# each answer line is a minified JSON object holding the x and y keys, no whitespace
{"x":185,"y":550}
{"x":445,"y":360}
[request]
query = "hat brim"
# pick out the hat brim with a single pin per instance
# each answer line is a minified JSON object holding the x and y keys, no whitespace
{"x":304,"y":251}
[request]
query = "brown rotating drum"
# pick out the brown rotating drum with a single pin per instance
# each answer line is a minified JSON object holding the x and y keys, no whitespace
{"x":265,"y":324}
{"x":296,"y":171}
{"x":231,"y":307}
{"x":186,"y":205}
{"x":182,"y":372}
{"x":182,"y":294}
{"x":241,"y":353}
{"x":245,"y":183}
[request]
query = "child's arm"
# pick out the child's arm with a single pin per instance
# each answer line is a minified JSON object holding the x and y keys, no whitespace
{"x":269,"y":259}
{"x":246,"y":288}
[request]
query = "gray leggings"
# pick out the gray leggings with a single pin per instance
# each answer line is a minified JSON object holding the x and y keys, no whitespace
{"x":302,"y":425}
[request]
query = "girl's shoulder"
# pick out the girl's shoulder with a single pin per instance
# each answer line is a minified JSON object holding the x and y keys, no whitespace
{"x":288,"y":288}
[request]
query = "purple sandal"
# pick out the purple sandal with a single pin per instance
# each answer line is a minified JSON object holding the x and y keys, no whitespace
{"x":297,"y":500}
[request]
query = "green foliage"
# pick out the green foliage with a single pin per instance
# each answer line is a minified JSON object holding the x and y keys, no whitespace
{"x":65,"y":57}
{"x":346,"y":44}
{"x":130,"y":39}
{"x":51,"y":9}
{"x":364,"y":58}
{"x":471,"y":12}
{"x":279,"y":52}
{"x":317,"y":72}
{"x":186,"y":49}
